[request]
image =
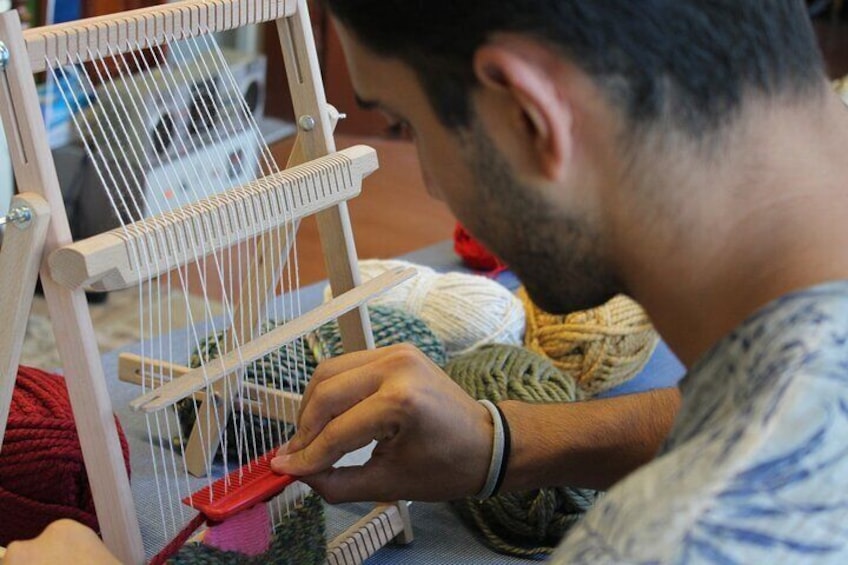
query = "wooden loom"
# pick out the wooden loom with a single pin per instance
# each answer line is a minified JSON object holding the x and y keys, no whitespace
{"x":319,"y":181}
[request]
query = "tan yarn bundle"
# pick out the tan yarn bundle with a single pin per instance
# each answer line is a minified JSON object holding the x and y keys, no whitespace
{"x":600,"y":348}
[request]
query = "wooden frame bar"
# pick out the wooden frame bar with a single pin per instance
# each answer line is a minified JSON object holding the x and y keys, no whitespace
{"x":35,"y":171}
{"x":20,"y":258}
{"x":115,"y":34}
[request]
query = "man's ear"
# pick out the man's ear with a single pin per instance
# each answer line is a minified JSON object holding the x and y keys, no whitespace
{"x":533,"y":102}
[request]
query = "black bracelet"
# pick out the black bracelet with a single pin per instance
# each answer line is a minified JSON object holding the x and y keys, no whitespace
{"x":506,"y":450}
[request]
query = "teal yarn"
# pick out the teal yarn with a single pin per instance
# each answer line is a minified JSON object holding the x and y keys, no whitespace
{"x":390,"y":326}
{"x":290,"y":368}
{"x":300,"y":539}
{"x":530,"y":523}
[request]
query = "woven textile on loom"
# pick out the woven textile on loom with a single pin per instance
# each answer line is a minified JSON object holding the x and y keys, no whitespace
{"x":298,"y":540}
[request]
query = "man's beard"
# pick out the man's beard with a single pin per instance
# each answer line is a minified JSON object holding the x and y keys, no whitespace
{"x":557,"y":256}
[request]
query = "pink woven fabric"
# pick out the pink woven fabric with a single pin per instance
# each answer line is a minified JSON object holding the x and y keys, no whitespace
{"x":248,"y":532}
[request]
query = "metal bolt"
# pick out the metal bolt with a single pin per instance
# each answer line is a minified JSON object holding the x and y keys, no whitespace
{"x":4,"y":55}
{"x":307,"y":123}
{"x":20,"y":216}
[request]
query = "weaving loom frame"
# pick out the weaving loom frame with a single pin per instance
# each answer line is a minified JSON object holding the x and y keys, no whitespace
{"x":35,"y":172}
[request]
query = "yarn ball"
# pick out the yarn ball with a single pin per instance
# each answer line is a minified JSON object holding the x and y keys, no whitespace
{"x":464,"y":311}
{"x":600,"y":348}
{"x":299,"y":539}
{"x":291,"y":366}
{"x":527,"y":523}
{"x":473,"y":254}
{"x":42,"y":472}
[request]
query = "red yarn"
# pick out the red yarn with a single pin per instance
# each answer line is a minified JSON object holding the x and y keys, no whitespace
{"x":42,"y":474}
{"x":473,"y":254}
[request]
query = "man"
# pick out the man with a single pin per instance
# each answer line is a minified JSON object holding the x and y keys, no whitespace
{"x":687,"y":153}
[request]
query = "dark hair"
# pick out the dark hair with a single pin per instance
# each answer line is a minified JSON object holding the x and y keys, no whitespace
{"x":690,"y":60}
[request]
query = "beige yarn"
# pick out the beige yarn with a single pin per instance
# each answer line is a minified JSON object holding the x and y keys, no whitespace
{"x":464,"y":311}
{"x":600,"y":348}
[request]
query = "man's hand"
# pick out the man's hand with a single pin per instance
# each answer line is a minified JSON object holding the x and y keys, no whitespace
{"x":434,"y":441}
{"x":63,"y":541}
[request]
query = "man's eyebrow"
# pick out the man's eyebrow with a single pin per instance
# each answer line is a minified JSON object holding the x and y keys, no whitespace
{"x":366,"y":104}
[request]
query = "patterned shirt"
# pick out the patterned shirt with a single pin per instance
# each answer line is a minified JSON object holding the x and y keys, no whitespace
{"x":755,"y":469}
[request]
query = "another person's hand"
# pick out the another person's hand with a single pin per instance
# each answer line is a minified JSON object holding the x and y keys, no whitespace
{"x":63,"y":541}
{"x":434,"y":440}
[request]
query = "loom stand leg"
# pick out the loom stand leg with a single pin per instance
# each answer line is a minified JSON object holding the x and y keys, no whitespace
{"x":35,"y":172}
{"x":20,"y":258}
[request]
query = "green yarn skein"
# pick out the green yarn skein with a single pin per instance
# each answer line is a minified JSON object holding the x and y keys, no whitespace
{"x":530,"y":523}
{"x":290,"y":367}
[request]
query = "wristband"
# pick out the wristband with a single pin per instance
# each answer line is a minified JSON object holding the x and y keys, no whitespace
{"x":496,"y":464}
{"x":507,"y":443}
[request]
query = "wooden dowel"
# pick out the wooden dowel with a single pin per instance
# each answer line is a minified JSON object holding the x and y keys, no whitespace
{"x":171,"y":393}
{"x":259,"y":400}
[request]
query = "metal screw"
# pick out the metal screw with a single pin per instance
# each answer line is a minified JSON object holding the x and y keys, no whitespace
{"x":307,"y":123}
{"x":4,"y":55}
{"x":20,"y":216}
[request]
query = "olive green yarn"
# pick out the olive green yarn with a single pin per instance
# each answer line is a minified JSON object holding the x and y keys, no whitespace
{"x":300,"y":539}
{"x":506,"y":372}
{"x":530,"y":523}
{"x":290,"y":368}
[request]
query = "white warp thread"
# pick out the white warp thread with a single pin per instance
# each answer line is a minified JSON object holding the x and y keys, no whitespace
{"x":464,"y":311}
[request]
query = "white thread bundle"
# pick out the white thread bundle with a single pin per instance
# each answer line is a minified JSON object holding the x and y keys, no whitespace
{"x":464,"y":311}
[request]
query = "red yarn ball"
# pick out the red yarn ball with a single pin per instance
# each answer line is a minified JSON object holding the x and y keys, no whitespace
{"x":472,"y":252}
{"x":42,"y":473}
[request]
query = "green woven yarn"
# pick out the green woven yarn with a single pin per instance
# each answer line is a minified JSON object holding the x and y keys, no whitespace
{"x":530,"y":523}
{"x":291,"y":366}
{"x":300,"y":539}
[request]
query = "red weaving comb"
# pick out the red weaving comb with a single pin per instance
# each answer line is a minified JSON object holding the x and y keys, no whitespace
{"x":240,"y":490}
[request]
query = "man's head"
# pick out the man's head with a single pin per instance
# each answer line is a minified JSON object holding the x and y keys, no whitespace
{"x":587,"y":86}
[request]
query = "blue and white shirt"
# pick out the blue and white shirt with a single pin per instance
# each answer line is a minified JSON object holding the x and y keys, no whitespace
{"x":755,"y":469}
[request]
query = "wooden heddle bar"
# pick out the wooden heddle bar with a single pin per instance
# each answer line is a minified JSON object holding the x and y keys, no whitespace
{"x":123,"y":257}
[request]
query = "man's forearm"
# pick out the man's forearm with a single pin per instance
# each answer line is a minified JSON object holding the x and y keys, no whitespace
{"x":589,"y":444}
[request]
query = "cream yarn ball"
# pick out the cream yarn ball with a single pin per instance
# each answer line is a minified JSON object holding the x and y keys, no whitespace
{"x":464,"y":311}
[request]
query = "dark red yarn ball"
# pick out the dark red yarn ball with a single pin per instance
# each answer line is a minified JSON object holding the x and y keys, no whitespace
{"x":42,"y":474}
{"x":472,"y":252}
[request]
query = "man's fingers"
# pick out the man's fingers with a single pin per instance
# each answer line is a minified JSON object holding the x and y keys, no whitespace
{"x":331,"y":398}
{"x":356,"y":428}
{"x":352,"y":484}
{"x":338,"y":365}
